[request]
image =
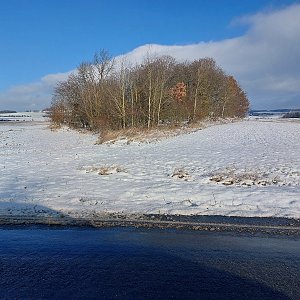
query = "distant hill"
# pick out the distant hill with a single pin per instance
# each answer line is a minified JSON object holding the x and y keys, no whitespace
{"x":272,"y":112}
{"x":7,"y":112}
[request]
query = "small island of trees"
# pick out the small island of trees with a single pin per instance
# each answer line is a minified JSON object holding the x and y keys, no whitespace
{"x":109,"y":94}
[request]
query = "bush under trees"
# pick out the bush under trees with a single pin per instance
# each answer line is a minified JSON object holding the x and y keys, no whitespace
{"x":105,"y":94}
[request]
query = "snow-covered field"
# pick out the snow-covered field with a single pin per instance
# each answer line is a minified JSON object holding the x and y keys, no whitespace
{"x":22,"y":117}
{"x":247,"y":168}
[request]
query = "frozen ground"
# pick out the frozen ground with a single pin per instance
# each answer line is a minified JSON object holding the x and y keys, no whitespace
{"x":247,"y":168}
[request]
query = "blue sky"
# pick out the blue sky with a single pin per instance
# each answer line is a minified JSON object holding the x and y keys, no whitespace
{"x":42,"y":37}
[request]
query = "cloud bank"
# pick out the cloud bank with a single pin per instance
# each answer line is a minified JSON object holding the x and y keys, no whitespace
{"x":265,"y":60}
{"x":32,"y":96}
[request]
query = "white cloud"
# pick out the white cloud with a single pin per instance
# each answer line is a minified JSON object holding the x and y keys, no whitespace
{"x":36,"y":95}
{"x":265,"y":60}
{"x":52,"y":79}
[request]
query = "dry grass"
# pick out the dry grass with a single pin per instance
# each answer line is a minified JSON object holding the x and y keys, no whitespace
{"x":244,"y":179}
{"x":157,"y":133}
{"x":115,"y":135}
{"x":54,"y":126}
{"x":104,"y":170}
{"x":108,"y":170}
{"x":181,"y":174}
{"x":144,"y":134}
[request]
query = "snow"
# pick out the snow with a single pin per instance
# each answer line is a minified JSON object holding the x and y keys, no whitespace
{"x":246,"y":168}
{"x":23,"y":117}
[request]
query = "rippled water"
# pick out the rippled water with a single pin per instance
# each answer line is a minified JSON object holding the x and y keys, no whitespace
{"x":85,"y":263}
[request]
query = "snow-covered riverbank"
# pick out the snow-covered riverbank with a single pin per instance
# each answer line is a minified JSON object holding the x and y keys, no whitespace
{"x":247,"y":168}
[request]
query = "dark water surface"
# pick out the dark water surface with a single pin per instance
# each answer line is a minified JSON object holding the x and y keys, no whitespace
{"x":126,"y":263}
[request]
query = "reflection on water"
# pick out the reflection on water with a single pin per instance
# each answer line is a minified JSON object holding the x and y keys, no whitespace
{"x":40,"y":262}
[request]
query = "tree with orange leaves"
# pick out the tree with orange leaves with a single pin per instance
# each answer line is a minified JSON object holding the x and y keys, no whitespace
{"x":178,"y":92}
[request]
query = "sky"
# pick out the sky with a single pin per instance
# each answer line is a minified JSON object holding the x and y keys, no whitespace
{"x":257,"y":41}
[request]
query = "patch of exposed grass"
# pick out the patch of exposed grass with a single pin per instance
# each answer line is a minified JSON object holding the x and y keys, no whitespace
{"x":104,"y":170}
{"x":158,"y":133}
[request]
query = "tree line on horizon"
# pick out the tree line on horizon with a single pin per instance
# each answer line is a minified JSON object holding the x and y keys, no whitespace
{"x":109,"y":94}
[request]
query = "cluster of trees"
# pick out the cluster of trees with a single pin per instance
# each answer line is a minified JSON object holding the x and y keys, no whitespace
{"x":292,"y":114}
{"x":105,"y":93}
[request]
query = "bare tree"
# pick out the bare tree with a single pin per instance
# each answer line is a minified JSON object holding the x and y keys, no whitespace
{"x":100,"y":94}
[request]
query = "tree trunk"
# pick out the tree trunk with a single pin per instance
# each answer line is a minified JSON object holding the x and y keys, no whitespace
{"x":159,"y":104}
{"x":149,"y":100}
{"x":196,"y":94}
